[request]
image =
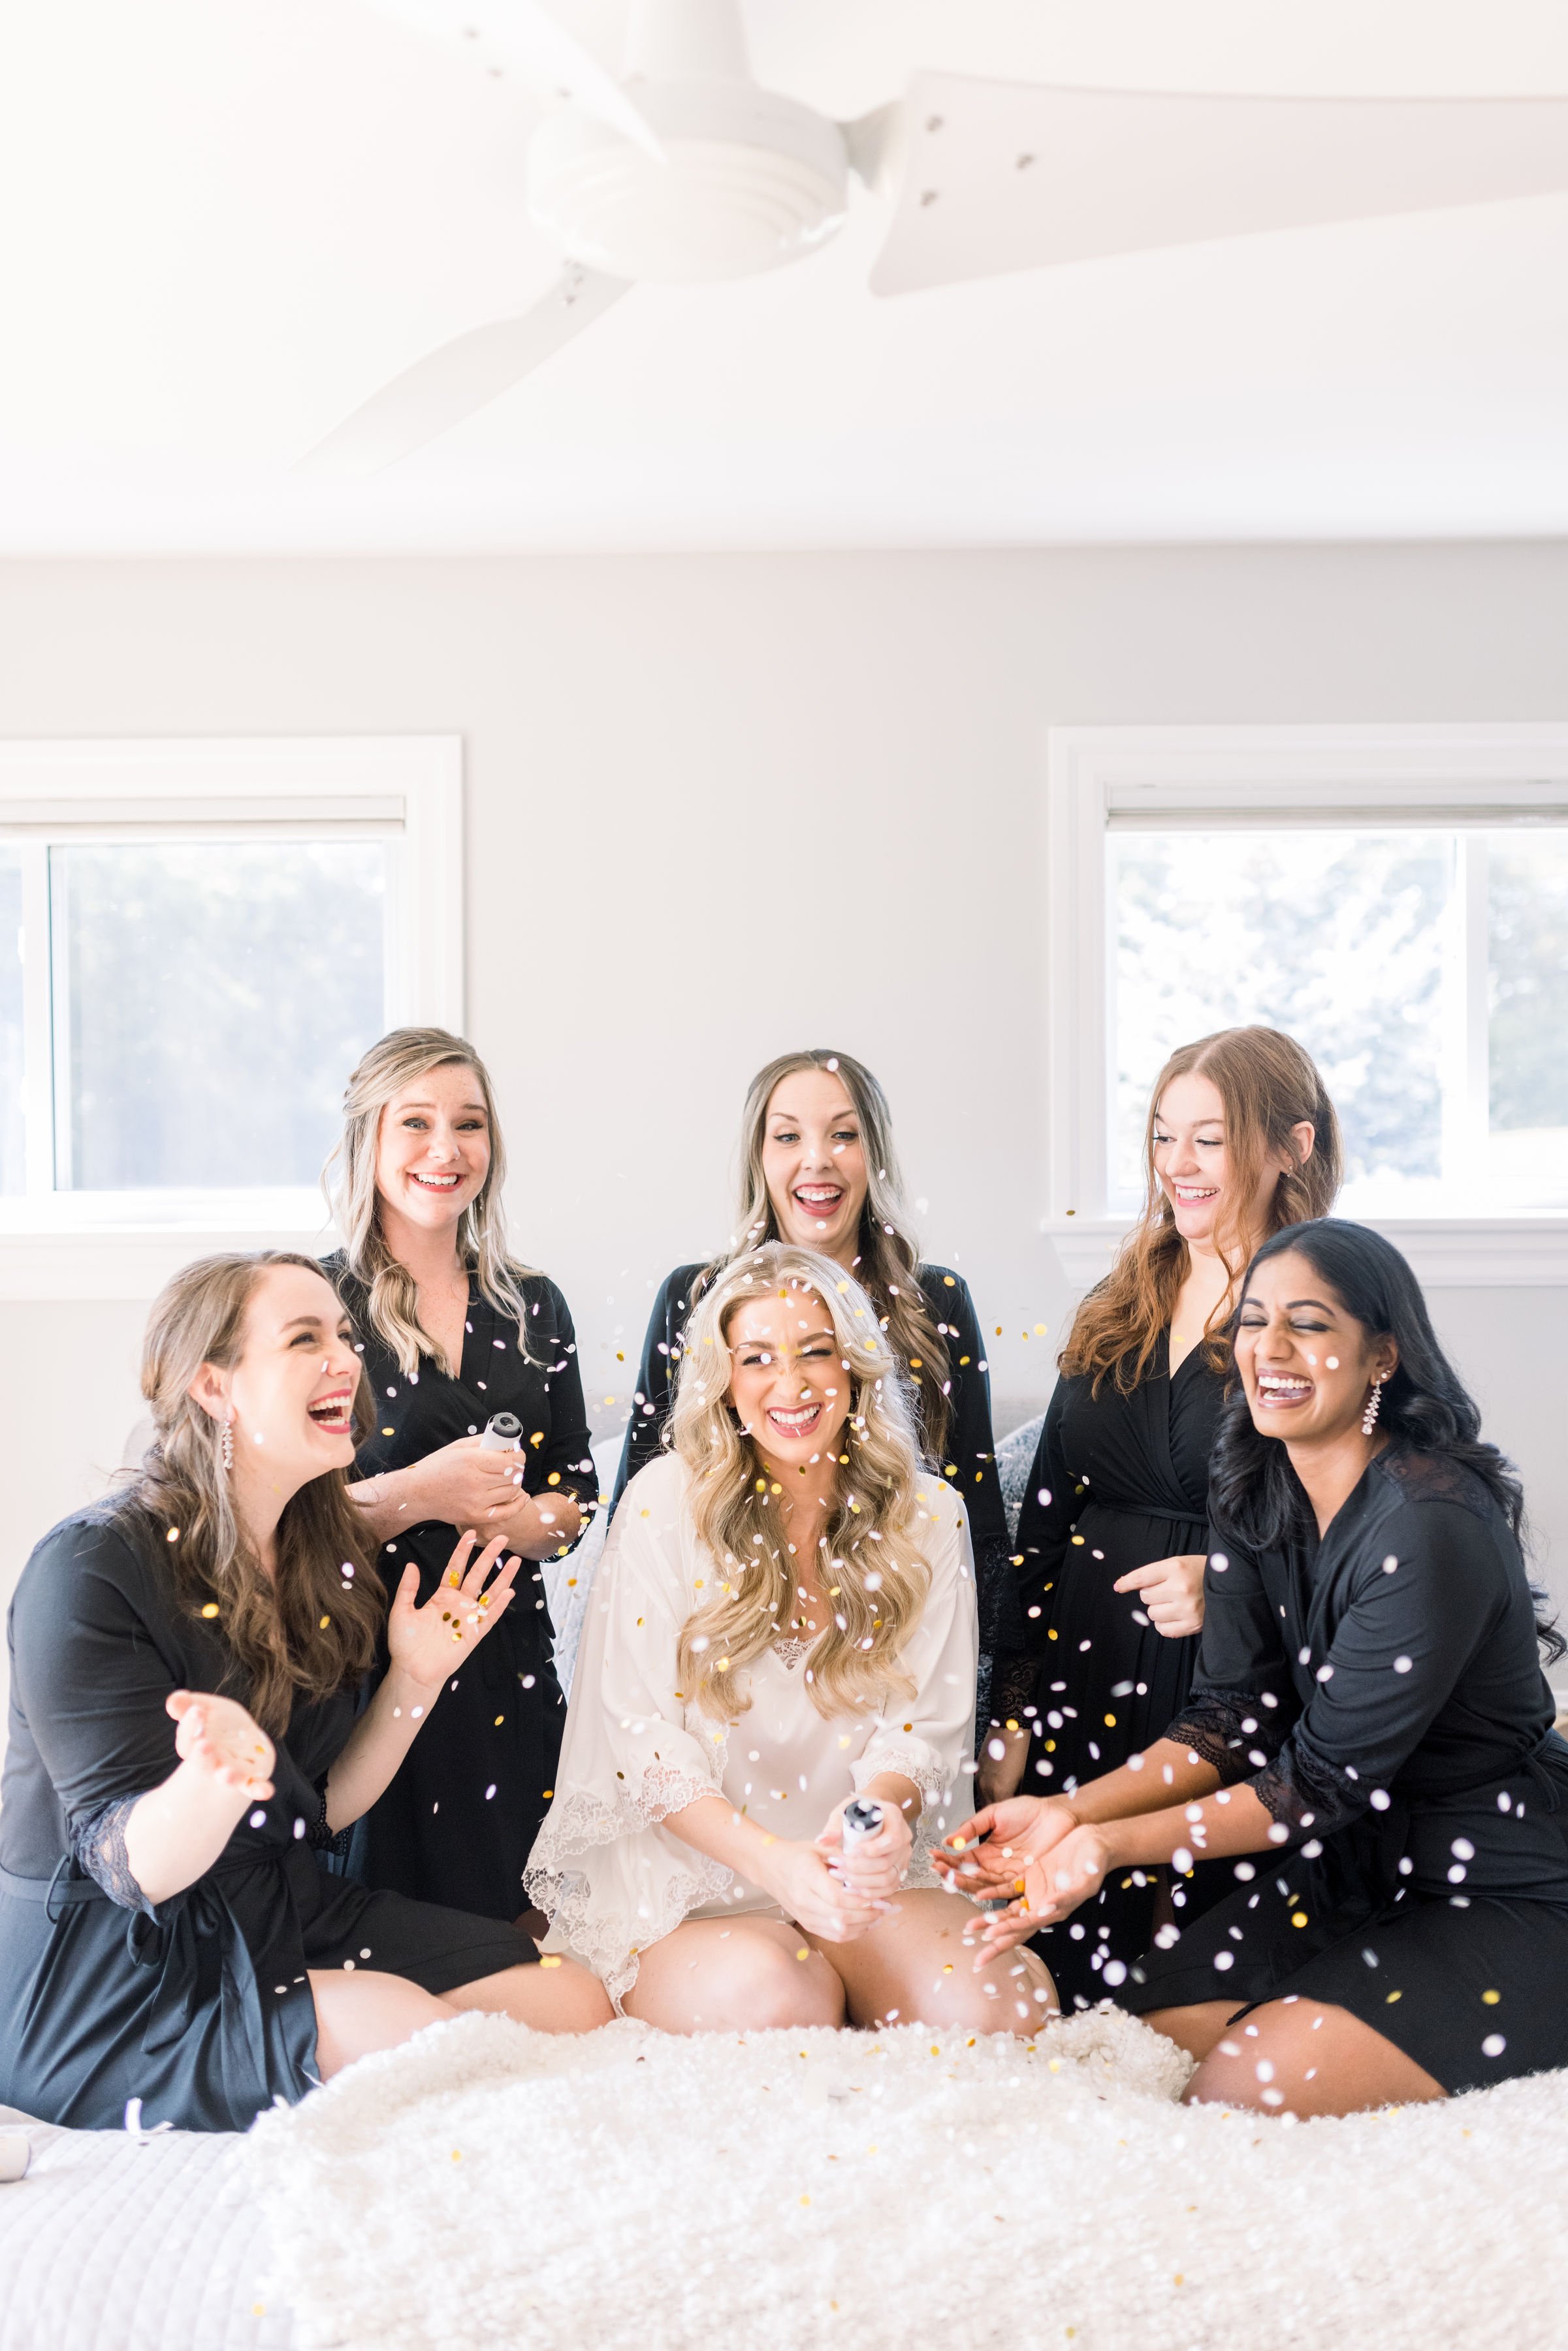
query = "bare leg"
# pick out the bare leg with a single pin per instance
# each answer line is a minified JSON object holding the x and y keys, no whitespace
{"x":1196,"y":2029}
{"x":740,"y":1975}
{"x":1303,"y":2057}
{"x":915,"y":1966}
{"x":367,"y":2010}
{"x":553,"y":1997}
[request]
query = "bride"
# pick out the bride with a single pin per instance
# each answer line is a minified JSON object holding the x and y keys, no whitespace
{"x":784,"y":1620}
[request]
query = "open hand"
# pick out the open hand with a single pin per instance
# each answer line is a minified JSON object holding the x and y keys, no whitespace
{"x":1049,"y":1887}
{"x":432,"y":1642}
{"x":216,"y":1735}
{"x":982,"y":1856}
{"x":1172,"y":1592}
{"x":878,"y":1864}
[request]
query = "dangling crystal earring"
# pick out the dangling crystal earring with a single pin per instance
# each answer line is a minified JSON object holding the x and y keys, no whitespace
{"x":1369,"y":1418}
{"x":228,"y":1442}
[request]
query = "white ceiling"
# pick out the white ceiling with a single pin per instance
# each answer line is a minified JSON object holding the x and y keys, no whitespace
{"x":222,"y":223}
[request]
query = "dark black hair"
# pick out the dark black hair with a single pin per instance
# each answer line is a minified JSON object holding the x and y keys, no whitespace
{"x":1255,"y":1498}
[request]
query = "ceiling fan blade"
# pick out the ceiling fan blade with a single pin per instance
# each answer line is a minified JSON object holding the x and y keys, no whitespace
{"x":996,"y":176}
{"x":458,"y":378}
{"x":522,"y":36}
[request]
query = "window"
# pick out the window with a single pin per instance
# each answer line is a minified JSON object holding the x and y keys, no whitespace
{"x":1397,"y":898}
{"x":197,"y":941}
{"x":1424,"y":970}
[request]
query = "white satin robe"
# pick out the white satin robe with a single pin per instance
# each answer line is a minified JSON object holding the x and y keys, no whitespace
{"x":610,"y":1877}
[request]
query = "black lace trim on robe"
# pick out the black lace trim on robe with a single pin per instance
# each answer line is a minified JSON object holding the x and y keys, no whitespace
{"x":1307,"y":1793}
{"x":1229,"y":1729}
{"x":98,"y":1847}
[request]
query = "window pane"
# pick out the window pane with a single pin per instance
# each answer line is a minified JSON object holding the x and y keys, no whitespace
{"x":12,"y":1166}
{"x":211,"y":1001}
{"x":1527,"y":938}
{"x":1338,"y":937}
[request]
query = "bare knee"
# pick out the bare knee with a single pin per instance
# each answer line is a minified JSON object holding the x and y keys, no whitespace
{"x":553,"y":1995}
{"x":360,"y":2012}
{"x":745,"y":1980}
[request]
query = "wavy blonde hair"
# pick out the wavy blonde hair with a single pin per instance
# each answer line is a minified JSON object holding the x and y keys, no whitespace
{"x":310,"y":1630}
{"x":349,"y":1181}
{"x":870,"y":1550}
{"x":888,"y":1254}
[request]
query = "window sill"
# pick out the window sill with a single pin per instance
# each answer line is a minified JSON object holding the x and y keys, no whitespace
{"x":1522,"y":1252}
{"x":135,"y":1260}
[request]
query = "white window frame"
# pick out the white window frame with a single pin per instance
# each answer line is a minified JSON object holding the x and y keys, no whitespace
{"x":1470,"y":775}
{"x":403,"y":790}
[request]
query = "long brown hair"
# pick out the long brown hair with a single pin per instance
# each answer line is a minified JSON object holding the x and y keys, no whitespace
{"x":311,"y":1630}
{"x":887,"y":1255}
{"x":349,"y":1180}
{"x":1267,"y":1084}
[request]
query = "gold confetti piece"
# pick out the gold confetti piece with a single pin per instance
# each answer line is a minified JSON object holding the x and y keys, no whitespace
{"x":1491,"y":1998}
{"x":805,"y":2199}
{"x":550,"y":1960}
{"x":1393,"y":1996}
{"x":389,"y":1432}
{"x":499,"y":1720}
{"x":1110,"y":1723}
{"x":172,"y":1535}
{"x":802,"y":1954}
{"x":211,"y":1609}
{"x":1298,"y":1917}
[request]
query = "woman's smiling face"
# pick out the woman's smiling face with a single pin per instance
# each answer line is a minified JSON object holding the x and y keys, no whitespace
{"x":291,"y":1389}
{"x":787,"y":1378}
{"x":1306,"y":1364}
{"x":1195,"y":1164}
{"x":433,"y":1149}
{"x":813,"y":1163}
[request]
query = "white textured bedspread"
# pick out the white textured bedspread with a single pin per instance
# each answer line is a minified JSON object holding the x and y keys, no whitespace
{"x":115,"y":2243}
{"x":487,"y":2187}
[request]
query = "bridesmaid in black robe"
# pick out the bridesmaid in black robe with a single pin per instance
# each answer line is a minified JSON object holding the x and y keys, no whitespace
{"x":819,"y":1122}
{"x":1241,"y":1139}
{"x":425,"y":1274}
{"x":186,"y":1660}
{"x":1367,"y":1752}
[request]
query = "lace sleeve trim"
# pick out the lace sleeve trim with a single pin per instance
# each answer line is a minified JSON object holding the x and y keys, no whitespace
{"x":1308,"y":1793}
{"x":97,"y":1847}
{"x":555,"y":1884}
{"x":1229,"y":1729}
{"x":1014,"y":1681}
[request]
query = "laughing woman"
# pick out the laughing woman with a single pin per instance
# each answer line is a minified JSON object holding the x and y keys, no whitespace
{"x":1370,"y":1719}
{"x":784,"y":1620}
{"x":453,"y":1331}
{"x":1241,"y":1140}
{"x":185,"y":1659}
{"x":820,"y":1172}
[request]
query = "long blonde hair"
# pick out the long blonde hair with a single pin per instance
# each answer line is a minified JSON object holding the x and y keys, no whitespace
{"x":310,"y":1630}
{"x":1268,"y":1085}
{"x":871,"y":1557}
{"x":888,"y":1256}
{"x":349,"y":1180}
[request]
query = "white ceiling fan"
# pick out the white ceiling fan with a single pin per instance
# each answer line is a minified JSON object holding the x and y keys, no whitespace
{"x":686,"y":170}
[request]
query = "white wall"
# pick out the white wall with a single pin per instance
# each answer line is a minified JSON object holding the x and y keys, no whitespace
{"x":718,"y":806}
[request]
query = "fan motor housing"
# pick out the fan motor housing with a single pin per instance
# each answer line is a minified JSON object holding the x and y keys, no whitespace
{"x":751,"y":181}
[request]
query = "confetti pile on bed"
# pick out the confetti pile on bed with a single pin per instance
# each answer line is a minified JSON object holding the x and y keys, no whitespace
{"x":490,"y":2186}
